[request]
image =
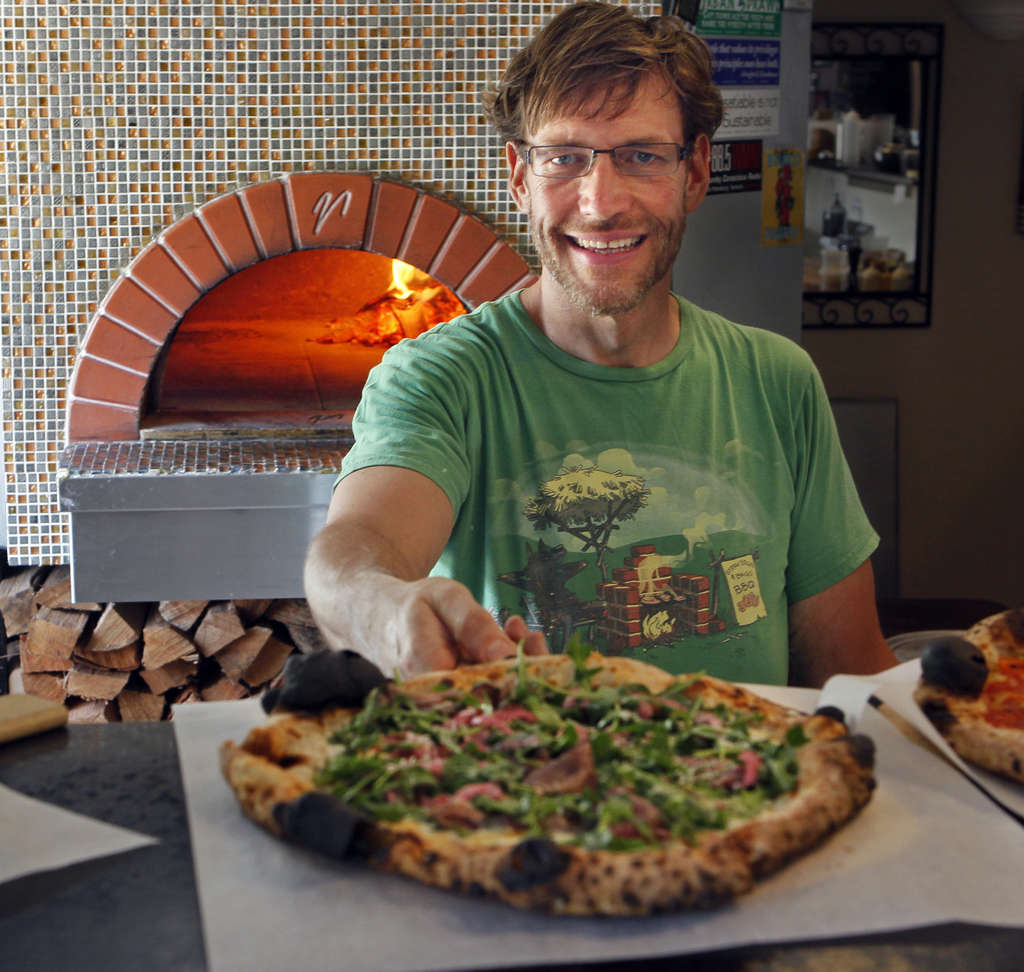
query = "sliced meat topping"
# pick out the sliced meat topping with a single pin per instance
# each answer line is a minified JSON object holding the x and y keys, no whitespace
{"x":568,"y":773}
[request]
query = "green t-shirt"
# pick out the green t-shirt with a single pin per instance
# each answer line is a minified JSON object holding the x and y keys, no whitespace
{"x":668,"y":513}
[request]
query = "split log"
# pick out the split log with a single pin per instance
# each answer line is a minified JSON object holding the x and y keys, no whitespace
{"x":190,"y":694}
{"x":295,"y":615}
{"x":44,"y":686}
{"x":95,"y":683}
{"x":140,"y":706}
{"x":306,"y":639}
{"x":252,"y":610}
{"x":182,"y":614}
{"x":236,"y":657}
{"x":119,"y":626}
{"x":220,"y":626}
{"x":163,"y":642}
{"x":170,"y":676}
{"x":56,"y":592}
{"x":92,"y":710}
{"x":50,"y":640}
{"x":17,"y":599}
{"x":268,"y":664}
{"x":120,"y":659}
{"x":292,"y":610}
{"x":223,"y":690}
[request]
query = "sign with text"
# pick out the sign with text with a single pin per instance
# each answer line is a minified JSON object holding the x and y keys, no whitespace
{"x":735,"y":167}
{"x":743,"y":18}
{"x":744,"y":589}
{"x":739,"y":62}
{"x":782,"y":196}
{"x":749,"y":113}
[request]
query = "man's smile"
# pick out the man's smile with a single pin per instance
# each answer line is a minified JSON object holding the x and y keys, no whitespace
{"x":606,"y":246}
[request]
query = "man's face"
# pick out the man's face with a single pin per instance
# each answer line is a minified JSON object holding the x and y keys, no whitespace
{"x":606,"y":239}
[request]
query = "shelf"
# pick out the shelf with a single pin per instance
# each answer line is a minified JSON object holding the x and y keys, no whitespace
{"x":862,"y":175}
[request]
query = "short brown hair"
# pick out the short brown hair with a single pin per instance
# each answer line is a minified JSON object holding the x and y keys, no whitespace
{"x":591,"y":47}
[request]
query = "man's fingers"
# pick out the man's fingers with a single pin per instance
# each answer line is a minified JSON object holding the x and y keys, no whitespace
{"x":534,"y":642}
{"x":445,"y":626}
{"x":472,"y":634}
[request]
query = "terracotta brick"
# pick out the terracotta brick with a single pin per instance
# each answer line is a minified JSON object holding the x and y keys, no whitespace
{"x":268,"y":210}
{"x":160,"y":275}
{"x":128,"y":303}
{"x":493,"y":276}
{"x":392,"y":207}
{"x":188,"y":241}
{"x":103,"y":382}
{"x":107,"y":339}
{"x":91,"y":422}
{"x":225,"y":222}
{"x":463,"y":249}
{"x":431,"y":222}
{"x":330,"y":208}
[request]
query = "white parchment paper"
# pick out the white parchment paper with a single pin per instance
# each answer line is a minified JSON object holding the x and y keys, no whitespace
{"x":895,"y":688}
{"x":928,"y":848}
{"x":39,"y":836}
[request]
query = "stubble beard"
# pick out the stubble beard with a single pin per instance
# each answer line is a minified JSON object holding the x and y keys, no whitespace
{"x":612,"y":295}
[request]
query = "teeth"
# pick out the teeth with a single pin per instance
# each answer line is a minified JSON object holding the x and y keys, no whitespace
{"x":608,"y":245}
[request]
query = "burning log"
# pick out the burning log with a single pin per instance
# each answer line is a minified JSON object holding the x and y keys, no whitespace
{"x":134,"y":662}
{"x":414,"y":303}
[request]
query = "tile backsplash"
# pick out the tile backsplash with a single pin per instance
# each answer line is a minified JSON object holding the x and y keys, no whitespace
{"x":120,"y":118}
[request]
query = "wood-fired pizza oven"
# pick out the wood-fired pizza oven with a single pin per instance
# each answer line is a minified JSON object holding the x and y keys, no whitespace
{"x":212,"y":396}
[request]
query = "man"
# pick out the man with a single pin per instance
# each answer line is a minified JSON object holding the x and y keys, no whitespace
{"x":594,"y":455}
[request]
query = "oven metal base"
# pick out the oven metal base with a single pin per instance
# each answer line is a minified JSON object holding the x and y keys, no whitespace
{"x":209,"y":526}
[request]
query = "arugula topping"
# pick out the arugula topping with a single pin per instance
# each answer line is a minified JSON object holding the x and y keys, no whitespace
{"x":613,"y":767}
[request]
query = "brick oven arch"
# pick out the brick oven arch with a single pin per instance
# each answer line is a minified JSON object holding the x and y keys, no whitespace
{"x":297,"y":211}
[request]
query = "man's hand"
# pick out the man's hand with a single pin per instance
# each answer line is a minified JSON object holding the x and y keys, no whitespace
{"x":438,"y":624}
{"x":367,"y":585}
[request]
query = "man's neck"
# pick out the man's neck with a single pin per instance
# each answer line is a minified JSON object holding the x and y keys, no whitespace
{"x":638,"y":337}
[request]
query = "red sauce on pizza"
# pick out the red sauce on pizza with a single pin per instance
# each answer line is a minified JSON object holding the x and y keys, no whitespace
{"x":1004,"y":694}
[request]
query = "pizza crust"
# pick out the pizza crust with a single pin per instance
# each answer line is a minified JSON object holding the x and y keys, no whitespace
{"x":276,"y":763}
{"x":961,"y":719}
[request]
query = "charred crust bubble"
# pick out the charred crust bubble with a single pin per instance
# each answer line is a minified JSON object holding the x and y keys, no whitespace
{"x":831,"y":712}
{"x":1015,"y":623}
{"x":312,"y":682}
{"x":862,"y":749}
{"x":322,"y":823}
{"x":954,"y":664}
{"x":531,"y":862}
{"x":938,"y":714}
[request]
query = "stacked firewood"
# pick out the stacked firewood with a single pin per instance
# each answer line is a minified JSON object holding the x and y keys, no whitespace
{"x":133,"y":661}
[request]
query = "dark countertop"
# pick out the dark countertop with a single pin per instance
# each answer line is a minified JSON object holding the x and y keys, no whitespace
{"x":139,"y":910}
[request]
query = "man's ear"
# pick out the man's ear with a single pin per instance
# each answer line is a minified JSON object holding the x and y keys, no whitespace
{"x":699,"y":173}
{"x":517,"y":177}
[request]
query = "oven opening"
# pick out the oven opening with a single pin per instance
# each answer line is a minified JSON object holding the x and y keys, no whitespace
{"x":283,"y":347}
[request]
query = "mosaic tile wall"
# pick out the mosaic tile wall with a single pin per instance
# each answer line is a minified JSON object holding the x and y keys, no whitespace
{"x":119,"y":118}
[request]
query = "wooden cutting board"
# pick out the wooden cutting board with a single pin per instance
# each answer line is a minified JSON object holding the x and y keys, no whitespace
{"x":25,"y":715}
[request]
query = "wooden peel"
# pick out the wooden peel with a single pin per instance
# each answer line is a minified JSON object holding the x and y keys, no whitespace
{"x":25,"y":715}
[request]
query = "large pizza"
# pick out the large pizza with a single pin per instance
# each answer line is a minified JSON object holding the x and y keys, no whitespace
{"x":574,"y":784}
{"x":972,"y":690}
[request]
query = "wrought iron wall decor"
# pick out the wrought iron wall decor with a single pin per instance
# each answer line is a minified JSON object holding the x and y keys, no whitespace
{"x":864,"y":56}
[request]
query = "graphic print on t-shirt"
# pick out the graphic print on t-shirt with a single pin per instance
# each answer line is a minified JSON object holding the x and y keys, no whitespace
{"x":639,"y":559}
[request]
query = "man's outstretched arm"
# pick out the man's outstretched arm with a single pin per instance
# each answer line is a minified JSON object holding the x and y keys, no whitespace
{"x":366,"y":579}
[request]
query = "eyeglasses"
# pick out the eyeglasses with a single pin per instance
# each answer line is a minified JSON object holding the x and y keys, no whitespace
{"x":637,"y":159}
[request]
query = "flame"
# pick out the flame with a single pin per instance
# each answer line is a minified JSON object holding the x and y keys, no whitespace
{"x":406,"y":280}
{"x":414,"y":303}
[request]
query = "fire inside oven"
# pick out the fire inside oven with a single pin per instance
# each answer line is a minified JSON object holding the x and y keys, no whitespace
{"x":287,"y":344}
